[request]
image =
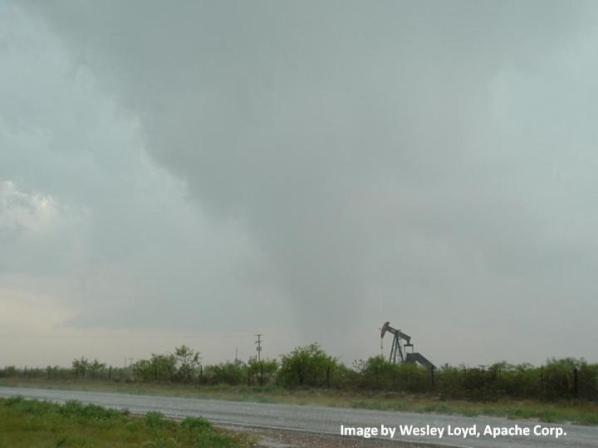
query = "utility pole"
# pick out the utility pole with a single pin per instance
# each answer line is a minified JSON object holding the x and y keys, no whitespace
{"x":259,"y":347}
{"x":259,"y":351}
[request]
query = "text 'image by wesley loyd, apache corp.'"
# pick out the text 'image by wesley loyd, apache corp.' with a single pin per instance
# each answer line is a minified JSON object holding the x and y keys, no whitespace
{"x":474,"y":431}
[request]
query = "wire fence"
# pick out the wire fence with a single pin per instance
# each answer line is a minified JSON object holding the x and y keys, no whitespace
{"x":556,"y":380}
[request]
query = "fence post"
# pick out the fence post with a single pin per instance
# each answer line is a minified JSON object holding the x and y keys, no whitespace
{"x":575,"y":382}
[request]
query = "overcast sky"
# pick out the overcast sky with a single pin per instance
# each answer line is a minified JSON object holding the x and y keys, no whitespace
{"x":199,"y":172}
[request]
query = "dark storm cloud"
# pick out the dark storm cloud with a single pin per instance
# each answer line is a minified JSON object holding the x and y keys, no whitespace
{"x":390,"y":160}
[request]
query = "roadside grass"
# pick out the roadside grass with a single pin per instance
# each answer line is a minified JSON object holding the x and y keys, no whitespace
{"x":37,"y":424}
{"x":571,"y":411}
{"x":560,"y":412}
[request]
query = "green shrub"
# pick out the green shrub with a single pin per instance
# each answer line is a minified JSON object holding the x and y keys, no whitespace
{"x":233,"y":373}
{"x":307,"y":366}
{"x":378,"y":374}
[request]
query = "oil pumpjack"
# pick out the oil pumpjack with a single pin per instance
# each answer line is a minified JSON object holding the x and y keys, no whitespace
{"x":400,"y":343}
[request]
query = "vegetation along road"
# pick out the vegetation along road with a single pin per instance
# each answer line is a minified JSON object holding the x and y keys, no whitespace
{"x":318,"y":419}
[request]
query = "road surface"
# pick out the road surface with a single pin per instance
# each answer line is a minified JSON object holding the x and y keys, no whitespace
{"x":323,"y":420}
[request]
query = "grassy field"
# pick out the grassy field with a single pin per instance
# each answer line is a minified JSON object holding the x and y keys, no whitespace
{"x":565,"y":411}
{"x":33,"y":424}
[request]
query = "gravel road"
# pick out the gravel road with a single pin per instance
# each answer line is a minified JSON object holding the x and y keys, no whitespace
{"x":322,"y":420}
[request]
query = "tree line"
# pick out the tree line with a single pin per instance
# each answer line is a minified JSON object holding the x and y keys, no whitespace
{"x":311,"y":367}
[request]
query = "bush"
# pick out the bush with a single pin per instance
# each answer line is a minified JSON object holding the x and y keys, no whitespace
{"x":307,"y":366}
{"x":262,"y":372}
{"x":378,"y":374}
{"x":232,"y":373}
{"x":187,"y":363}
{"x":310,"y":366}
{"x":157,"y":368}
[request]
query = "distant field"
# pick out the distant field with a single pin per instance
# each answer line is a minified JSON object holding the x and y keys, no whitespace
{"x":34,"y":424}
{"x":585,"y":413}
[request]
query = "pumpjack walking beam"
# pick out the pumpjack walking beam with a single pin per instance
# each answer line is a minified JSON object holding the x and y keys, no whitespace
{"x":397,"y":350}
